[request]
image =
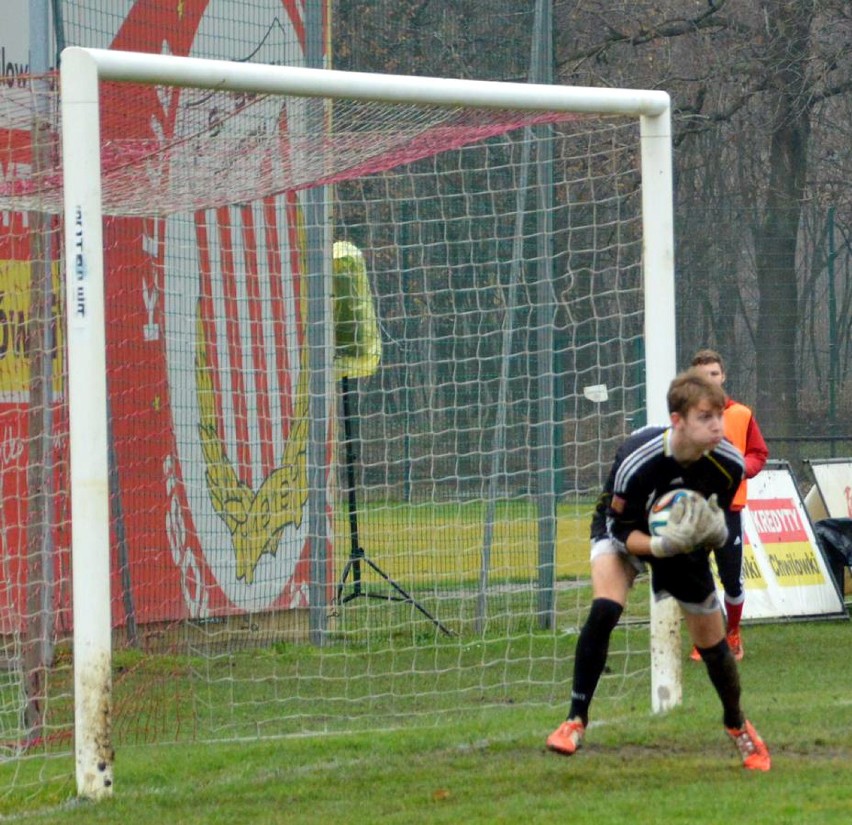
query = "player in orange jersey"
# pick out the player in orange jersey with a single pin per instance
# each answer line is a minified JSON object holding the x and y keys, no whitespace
{"x":742,"y":431}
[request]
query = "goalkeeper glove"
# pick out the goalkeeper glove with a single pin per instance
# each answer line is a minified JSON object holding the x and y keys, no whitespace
{"x":712,"y":528}
{"x":662,"y":547}
{"x":680,"y":535}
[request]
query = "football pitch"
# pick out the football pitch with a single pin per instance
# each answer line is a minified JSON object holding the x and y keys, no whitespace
{"x":636,"y":767}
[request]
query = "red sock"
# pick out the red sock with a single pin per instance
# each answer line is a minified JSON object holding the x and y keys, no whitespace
{"x":734,"y":613}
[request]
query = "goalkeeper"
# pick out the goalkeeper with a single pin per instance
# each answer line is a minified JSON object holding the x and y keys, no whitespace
{"x":690,"y":453}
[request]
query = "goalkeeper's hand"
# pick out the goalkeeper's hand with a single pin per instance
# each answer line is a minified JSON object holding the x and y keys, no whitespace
{"x":680,"y":535}
{"x":712,"y":529}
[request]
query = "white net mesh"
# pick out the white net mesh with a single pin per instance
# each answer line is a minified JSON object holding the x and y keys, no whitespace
{"x":488,"y":422}
{"x":219,"y":148}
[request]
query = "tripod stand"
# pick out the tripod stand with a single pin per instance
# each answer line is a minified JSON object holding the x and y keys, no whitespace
{"x":357,"y":556}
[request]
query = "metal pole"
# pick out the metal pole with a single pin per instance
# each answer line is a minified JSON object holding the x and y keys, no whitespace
{"x":41,"y":349}
{"x":319,"y":343}
{"x":87,"y":421}
{"x":204,"y":73}
{"x":661,"y":366}
{"x":833,"y":352}
{"x":542,"y":72}
{"x":498,"y":444}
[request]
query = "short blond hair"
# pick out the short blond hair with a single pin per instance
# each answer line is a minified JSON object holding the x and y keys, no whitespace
{"x":690,"y":388}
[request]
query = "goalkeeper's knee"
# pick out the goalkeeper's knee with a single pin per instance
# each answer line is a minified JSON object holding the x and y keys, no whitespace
{"x":603,"y":616}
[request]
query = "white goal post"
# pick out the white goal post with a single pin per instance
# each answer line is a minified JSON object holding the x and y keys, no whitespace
{"x":81,"y":72}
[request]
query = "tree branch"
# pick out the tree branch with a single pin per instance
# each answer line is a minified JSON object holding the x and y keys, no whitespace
{"x":676,"y":27}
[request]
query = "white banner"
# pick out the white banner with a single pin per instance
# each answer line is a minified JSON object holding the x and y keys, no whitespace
{"x":833,"y":478}
{"x":15,"y":39}
{"x":784,"y":570}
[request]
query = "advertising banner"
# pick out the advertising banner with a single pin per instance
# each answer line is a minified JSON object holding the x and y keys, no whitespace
{"x":29,"y":264}
{"x":15,"y":40}
{"x":833,"y":478}
{"x":785,"y":572}
{"x":206,"y":343}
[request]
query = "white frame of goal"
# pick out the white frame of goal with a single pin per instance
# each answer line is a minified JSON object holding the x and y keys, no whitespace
{"x":80,"y":74}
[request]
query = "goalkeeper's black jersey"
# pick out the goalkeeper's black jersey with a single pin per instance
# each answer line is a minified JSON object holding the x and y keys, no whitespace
{"x":644,"y":469}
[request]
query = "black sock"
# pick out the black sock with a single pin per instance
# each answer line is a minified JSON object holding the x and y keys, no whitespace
{"x":723,"y":673}
{"x":590,"y":656}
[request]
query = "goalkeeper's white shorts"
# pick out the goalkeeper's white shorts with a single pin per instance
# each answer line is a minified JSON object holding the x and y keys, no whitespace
{"x":608,"y":546}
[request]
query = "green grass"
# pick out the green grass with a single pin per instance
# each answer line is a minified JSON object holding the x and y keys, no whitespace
{"x":422,"y":544}
{"x":491,"y":766}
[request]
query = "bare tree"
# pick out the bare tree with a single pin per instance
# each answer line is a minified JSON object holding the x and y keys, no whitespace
{"x":762,"y":94}
{"x":752,"y":85}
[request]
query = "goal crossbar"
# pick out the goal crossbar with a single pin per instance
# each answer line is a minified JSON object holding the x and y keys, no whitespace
{"x":203,"y":73}
{"x":81,"y":72}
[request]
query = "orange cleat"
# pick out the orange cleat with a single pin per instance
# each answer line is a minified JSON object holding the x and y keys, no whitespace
{"x":695,"y":655}
{"x":567,"y":738}
{"x":752,"y":748}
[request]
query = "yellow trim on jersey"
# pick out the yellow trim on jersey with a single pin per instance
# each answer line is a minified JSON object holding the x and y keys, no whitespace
{"x":731,"y":481}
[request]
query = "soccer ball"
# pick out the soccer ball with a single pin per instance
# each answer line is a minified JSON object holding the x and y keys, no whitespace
{"x":658,"y":516}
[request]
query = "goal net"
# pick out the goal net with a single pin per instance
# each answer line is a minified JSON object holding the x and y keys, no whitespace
{"x":344,"y":363}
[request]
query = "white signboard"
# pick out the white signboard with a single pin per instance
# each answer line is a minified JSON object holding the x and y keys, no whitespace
{"x":784,"y":570}
{"x":15,"y":39}
{"x":834,"y":483}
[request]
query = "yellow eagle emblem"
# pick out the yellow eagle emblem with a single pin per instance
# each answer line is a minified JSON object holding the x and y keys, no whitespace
{"x":255,"y":520}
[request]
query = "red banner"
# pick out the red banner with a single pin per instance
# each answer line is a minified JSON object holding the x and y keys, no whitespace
{"x":207,"y":374}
